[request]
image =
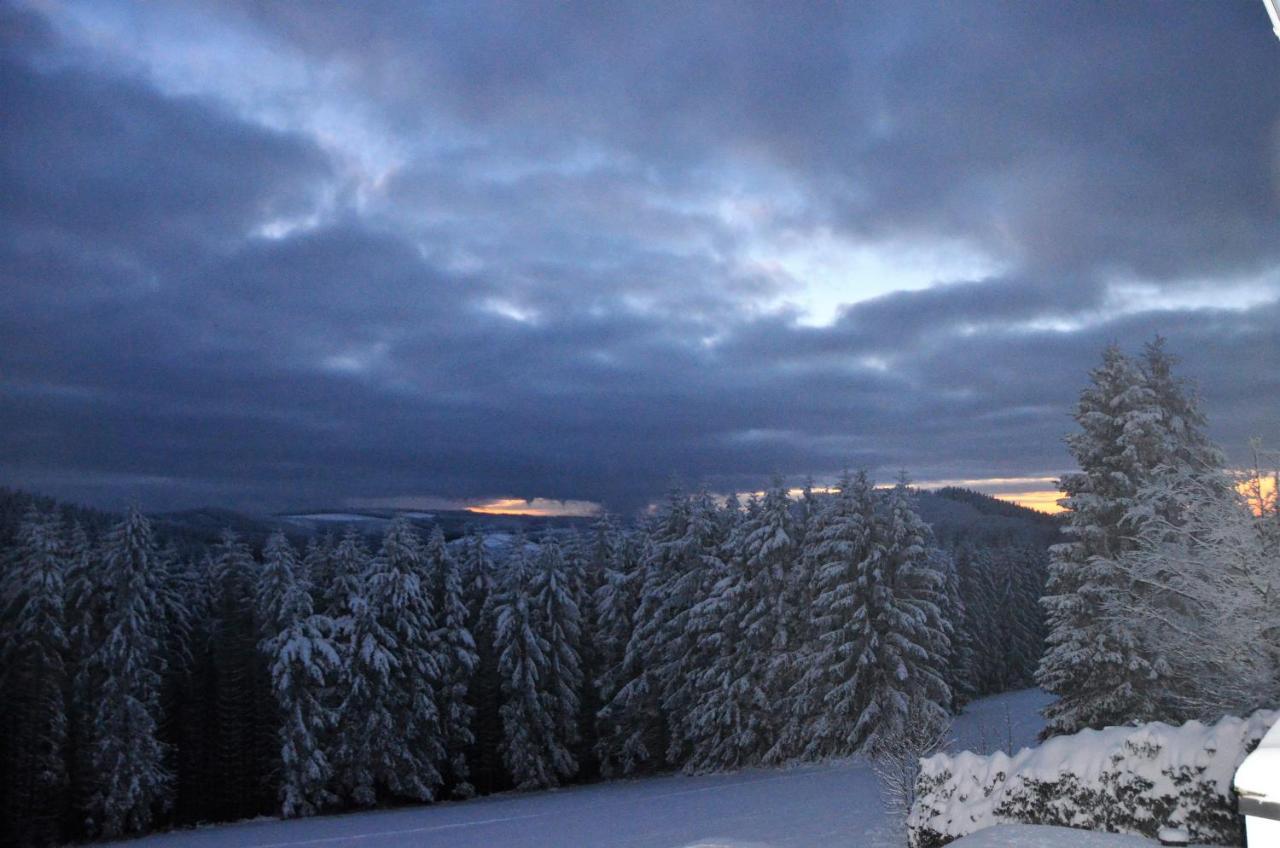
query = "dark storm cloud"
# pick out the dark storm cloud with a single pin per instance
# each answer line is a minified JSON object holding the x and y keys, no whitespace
{"x":477,"y":250}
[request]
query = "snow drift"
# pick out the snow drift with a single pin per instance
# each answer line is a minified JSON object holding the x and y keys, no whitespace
{"x":1120,"y":779}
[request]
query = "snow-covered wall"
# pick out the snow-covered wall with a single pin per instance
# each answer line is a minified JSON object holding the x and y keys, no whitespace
{"x":1121,"y":779}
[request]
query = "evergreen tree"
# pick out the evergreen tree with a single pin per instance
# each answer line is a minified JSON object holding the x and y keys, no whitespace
{"x":129,"y":778}
{"x":687,"y":648}
{"x":390,"y":736}
{"x":637,"y":709}
{"x":343,"y":590}
{"x":529,"y":729}
{"x":716,"y":722}
{"x":455,"y":649}
{"x":557,"y":620}
{"x":748,"y":656}
{"x":615,"y":607}
{"x":585,"y":573}
{"x":35,"y":677}
{"x":769,"y":619}
{"x":904,"y":646}
{"x":825,"y":702}
{"x":302,"y":661}
{"x":1094,"y":663}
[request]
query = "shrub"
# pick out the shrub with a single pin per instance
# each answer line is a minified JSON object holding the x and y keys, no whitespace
{"x":1121,"y":779}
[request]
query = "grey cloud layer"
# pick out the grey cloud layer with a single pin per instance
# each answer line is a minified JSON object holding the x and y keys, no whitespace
{"x":553,"y":288}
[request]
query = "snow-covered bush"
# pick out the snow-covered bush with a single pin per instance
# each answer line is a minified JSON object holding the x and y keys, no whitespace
{"x":1120,"y":779}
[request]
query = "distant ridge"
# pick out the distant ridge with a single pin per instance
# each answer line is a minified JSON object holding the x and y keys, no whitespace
{"x":953,"y":512}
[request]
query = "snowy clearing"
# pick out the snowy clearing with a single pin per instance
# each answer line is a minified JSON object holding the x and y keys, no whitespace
{"x":803,"y":807}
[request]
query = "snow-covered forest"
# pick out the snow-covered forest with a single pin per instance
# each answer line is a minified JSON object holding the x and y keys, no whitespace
{"x":151,"y":684}
{"x":159,"y":688}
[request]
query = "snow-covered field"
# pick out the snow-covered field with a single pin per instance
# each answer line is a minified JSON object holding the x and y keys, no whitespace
{"x":805,"y":807}
{"x":1037,"y":836}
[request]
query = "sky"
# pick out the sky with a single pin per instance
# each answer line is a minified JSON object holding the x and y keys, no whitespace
{"x":273,"y":256}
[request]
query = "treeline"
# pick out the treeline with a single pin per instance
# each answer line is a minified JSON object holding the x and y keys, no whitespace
{"x":144,"y":688}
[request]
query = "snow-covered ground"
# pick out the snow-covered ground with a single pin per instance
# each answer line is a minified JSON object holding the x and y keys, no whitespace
{"x":1039,"y":836}
{"x":805,"y":807}
{"x":1006,"y":723}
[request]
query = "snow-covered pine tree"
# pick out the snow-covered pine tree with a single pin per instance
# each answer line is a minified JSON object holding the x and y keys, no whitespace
{"x":769,"y":615}
{"x":346,"y":567}
{"x":716,"y":719}
{"x":478,"y":573}
{"x":585,"y":575}
{"x":689,"y":646}
{"x":390,"y":736}
{"x":129,"y":777}
{"x":455,"y":650}
{"x":302,"y":660}
{"x":34,"y":674}
{"x":523,"y":657}
{"x":904,"y":645}
{"x":1220,"y":559}
{"x":1186,"y":446}
{"x":1094,"y":662}
{"x":557,"y":620}
{"x":643,"y":729}
{"x":618,"y":559}
{"x":600,"y":553}
{"x":736,"y":723}
{"x":824,"y":702}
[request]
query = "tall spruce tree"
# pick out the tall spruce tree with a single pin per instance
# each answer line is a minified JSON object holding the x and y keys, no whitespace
{"x":769,"y":615}
{"x":636,"y":710}
{"x":904,"y":645}
{"x":130,"y":780}
{"x":455,"y":650}
{"x":557,"y":619}
{"x":302,"y":660}
{"x":529,"y":728}
{"x":746,"y":659}
{"x":390,"y":740}
{"x":826,"y":702}
{"x":618,"y":558}
{"x":34,"y":674}
{"x":687,"y":648}
{"x":1095,"y":663}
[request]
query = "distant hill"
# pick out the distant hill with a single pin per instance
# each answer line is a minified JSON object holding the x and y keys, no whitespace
{"x":198,"y":527}
{"x":953,"y":513}
{"x":956,"y":513}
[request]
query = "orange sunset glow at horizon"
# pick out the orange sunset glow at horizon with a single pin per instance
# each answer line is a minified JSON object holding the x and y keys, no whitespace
{"x":542,"y":507}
